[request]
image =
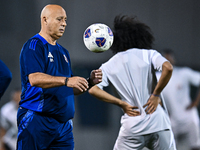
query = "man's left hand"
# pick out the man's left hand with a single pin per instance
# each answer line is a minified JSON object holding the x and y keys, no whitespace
{"x":96,"y":76}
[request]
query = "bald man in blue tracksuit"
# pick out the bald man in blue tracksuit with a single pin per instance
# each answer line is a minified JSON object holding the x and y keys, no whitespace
{"x":48,"y":87}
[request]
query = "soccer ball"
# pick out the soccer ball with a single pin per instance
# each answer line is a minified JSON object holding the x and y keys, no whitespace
{"x":98,"y":37}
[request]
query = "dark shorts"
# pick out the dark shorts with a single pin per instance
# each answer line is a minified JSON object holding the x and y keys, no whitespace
{"x":37,"y":132}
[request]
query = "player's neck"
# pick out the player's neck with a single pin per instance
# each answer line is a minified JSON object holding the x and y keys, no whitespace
{"x":48,"y":38}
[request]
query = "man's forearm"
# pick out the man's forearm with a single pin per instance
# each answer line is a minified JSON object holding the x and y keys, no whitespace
{"x":167,"y":69}
{"x":45,"y":81}
{"x":104,"y":96}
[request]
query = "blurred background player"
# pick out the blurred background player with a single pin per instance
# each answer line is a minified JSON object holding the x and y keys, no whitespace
{"x":5,"y":78}
{"x":182,"y":110}
{"x":131,"y":71}
{"x":8,"y":121}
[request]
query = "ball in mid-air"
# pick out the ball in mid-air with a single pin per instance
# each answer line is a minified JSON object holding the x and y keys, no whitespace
{"x":98,"y":37}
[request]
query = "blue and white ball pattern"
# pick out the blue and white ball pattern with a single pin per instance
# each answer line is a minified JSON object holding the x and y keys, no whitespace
{"x":98,"y":37}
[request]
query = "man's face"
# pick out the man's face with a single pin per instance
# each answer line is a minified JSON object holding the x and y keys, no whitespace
{"x":57,"y":23}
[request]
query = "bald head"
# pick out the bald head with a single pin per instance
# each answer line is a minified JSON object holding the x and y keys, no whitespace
{"x":53,"y":22}
{"x":50,"y":9}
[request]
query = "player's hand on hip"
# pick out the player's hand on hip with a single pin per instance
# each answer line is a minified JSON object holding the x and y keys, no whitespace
{"x":78,"y":82}
{"x":96,"y":76}
{"x":152,"y":104}
{"x":130,"y":110}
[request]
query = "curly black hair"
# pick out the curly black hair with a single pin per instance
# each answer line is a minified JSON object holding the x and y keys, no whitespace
{"x":130,"y":33}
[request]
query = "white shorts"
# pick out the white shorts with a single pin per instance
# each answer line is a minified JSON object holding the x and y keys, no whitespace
{"x":162,"y":140}
{"x":190,"y":132}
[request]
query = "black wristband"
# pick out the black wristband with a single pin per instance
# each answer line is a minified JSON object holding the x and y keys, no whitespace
{"x":89,"y":83}
{"x":66,"y":80}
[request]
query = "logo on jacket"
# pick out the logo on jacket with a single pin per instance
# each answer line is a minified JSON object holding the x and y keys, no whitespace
{"x":65,"y":58}
{"x":51,"y":57}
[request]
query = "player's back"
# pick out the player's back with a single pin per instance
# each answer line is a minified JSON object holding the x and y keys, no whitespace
{"x":132,"y":74}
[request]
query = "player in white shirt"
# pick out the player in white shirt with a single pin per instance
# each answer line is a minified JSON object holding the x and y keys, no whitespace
{"x":8,"y":121}
{"x":183,"y":111}
{"x":131,"y":71}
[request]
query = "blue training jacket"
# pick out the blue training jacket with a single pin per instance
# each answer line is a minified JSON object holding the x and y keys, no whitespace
{"x":37,"y":55}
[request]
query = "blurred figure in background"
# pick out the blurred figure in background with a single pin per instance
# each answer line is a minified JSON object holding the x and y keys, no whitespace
{"x":182,"y":110}
{"x":5,"y":78}
{"x":8,"y":121}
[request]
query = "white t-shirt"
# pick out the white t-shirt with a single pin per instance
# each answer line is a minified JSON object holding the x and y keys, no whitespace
{"x":177,"y":95}
{"x":132,"y":73}
{"x":8,"y":120}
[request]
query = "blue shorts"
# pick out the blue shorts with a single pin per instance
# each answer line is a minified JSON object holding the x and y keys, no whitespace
{"x":38,"y":132}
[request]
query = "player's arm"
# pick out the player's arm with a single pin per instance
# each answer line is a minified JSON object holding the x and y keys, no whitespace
{"x":195,"y":103}
{"x":106,"y":97}
{"x":43,"y":80}
{"x":194,"y":79}
{"x":79,"y":84}
{"x":166,"y":74}
{"x":154,"y":99}
{"x":95,"y":78}
{"x":5,"y":78}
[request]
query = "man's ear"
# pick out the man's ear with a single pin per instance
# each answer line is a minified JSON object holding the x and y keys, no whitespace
{"x":44,"y":19}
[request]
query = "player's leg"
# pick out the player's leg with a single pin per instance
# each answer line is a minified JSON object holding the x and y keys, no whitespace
{"x":128,"y":142}
{"x":24,"y":118}
{"x":162,"y":140}
{"x":64,"y":140}
{"x":35,"y":132}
